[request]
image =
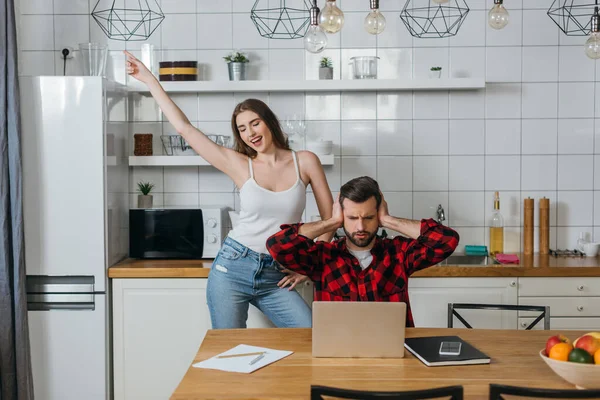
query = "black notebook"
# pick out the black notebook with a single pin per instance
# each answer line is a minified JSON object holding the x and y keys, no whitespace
{"x":454,"y":351}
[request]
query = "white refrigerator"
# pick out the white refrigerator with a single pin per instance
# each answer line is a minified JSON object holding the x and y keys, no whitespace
{"x":75,"y":197}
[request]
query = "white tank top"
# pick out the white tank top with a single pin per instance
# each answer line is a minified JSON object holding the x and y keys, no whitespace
{"x":262,"y":211}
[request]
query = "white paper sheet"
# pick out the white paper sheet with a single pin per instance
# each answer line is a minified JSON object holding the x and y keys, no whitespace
{"x":242,"y":364}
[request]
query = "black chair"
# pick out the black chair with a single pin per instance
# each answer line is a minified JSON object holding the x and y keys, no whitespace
{"x":496,"y":392}
{"x":452,"y":307}
{"x":455,"y":393}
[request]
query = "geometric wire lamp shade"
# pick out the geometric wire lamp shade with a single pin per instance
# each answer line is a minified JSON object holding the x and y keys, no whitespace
{"x":428,"y":19}
{"x":128,"y":19}
{"x":289,"y":20}
{"x":573,"y":17}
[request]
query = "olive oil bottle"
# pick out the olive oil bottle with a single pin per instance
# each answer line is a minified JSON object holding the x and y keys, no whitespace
{"x":497,"y":228}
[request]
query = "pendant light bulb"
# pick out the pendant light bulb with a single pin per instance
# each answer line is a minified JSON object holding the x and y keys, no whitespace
{"x":375,"y":21}
{"x":331,"y":18}
{"x":592,"y":45}
{"x":498,"y":16}
{"x":315,"y":40}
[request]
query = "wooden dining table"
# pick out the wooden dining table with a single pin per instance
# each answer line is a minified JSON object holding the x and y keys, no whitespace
{"x":515,"y":360}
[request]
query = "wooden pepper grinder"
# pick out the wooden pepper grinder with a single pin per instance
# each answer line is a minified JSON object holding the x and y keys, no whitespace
{"x":544,"y":225}
{"x":528,"y":226}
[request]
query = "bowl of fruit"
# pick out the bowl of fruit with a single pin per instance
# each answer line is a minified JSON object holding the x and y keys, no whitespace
{"x":577,"y":362}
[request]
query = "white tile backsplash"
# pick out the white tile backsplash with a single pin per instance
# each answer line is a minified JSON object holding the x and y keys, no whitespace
{"x":287,"y":64}
{"x":466,"y":209}
{"x":575,"y":136}
{"x":503,"y":100}
{"x":540,"y":64}
{"x":394,"y":138}
{"x":466,"y":173}
{"x":179,"y":7}
{"x":429,"y":173}
{"x":215,"y":107}
{"x":179,"y":32}
{"x":430,"y":105}
{"x":353,"y":167}
{"x":430,"y":137}
{"x":467,"y":105}
{"x":395,"y":34}
{"x":539,"y":100}
{"x":539,"y":172}
{"x":394,"y":63}
{"x":574,"y":65}
{"x":354,"y":35}
{"x":395,"y":173}
{"x":359,"y":106}
{"x":530,"y":132}
{"x":467,"y":136}
{"x":502,"y":136}
{"x":181,"y":179}
{"x":467,"y":62}
{"x":502,"y":172}
{"x":36,"y":32}
{"x":575,"y":100}
{"x":576,"y":172}
{"x":503,"y":64}
{"x":539,"y":136}
{"x":538,"y":29}
{"x":575,"y":208}
{"x":394,"y":105}
{"x":208,"y":23}
{"x":359,"y":138}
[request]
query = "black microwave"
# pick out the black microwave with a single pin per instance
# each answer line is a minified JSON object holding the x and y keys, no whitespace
{"x":176,"y":233}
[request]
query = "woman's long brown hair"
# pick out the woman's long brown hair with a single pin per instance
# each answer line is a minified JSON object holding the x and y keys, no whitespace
{"x":267,"y":116}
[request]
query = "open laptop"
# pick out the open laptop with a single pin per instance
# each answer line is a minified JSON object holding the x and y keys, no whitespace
{"x":358,"y":329}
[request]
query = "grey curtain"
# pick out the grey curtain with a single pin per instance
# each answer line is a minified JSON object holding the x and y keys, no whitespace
{"x":15,"y":362}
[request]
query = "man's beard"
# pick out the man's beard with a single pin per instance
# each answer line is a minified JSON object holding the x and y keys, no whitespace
{"x":358,"y":241}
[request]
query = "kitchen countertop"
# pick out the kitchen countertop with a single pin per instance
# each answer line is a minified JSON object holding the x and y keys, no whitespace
{"x":530,"y":266}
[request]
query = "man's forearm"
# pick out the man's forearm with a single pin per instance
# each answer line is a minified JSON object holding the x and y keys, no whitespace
{"x":315,"y":229}
{"x":407,"y":227}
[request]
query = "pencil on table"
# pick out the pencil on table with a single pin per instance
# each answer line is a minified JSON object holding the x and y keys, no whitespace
{"x":242,"y":354}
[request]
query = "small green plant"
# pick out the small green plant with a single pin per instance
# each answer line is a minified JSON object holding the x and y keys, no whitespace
{"x":326,"y":62}
{"x":236,"y":56}
{"x":436,"y":68}
{"x":145,"y":187}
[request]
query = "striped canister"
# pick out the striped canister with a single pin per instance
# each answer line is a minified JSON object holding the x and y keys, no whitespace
{"x":178,"y":70}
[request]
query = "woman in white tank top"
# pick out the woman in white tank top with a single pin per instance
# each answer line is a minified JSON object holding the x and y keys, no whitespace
{"x":272,"y":181}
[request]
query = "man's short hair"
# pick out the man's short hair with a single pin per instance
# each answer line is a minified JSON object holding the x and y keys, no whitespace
{"x":360,"y":190}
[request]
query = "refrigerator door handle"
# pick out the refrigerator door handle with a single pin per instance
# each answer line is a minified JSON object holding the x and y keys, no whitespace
{"x":48,"y":302}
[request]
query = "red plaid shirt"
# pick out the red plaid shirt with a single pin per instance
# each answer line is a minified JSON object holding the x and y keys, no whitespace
{"x":337,"y":274}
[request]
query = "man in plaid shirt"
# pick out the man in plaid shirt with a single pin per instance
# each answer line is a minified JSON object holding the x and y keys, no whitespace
{"x":362,"y":266}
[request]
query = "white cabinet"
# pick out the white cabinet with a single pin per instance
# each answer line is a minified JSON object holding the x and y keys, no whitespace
{"x":574,"y":302}
{"x":158,"y":326}
{"x":429,"y":298}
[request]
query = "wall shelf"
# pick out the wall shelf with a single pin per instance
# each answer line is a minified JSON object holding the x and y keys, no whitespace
{"x":178,"y":161}
{"x":346,"y":85}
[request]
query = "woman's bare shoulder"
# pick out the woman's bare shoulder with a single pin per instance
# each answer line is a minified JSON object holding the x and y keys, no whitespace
{"x":309,"y":159}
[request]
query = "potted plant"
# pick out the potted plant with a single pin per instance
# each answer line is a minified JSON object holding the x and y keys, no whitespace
{"x":325,"y":68}
{"x":236,"y":62}
{"x":145,"y":198}
{"x":435,"y":72}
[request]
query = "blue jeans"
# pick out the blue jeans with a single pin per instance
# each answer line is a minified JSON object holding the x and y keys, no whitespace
{"x":240,"y":277}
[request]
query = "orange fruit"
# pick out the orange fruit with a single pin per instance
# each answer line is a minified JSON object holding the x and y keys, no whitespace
{"x":597,"y":357}
{"x":560,"y":351}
